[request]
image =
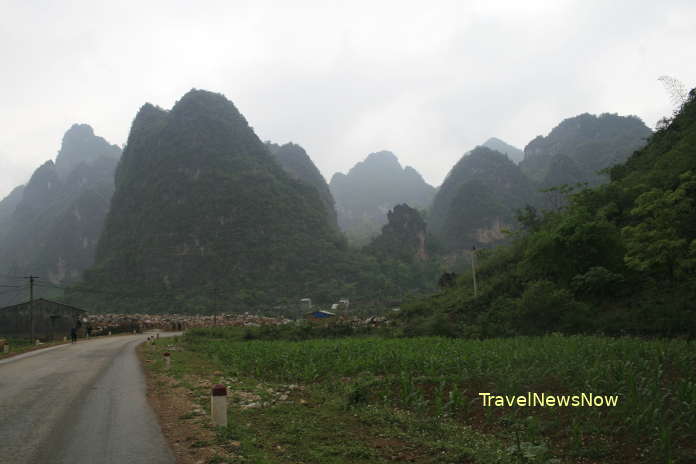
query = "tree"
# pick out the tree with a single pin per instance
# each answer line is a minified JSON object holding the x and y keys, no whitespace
{"x":676,"y":89}
{"x":659,"y":242}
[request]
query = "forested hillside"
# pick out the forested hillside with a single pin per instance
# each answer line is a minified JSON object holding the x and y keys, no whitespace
{"x":618,"y":259}
{"x":295,"y":161}
{"x":204,"y":218}
{"x":403,"y":236}
{"x":591,"y":143}
{"x":478,"y":199}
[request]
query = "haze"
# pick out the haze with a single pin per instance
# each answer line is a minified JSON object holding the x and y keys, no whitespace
{"x":426,"y":80}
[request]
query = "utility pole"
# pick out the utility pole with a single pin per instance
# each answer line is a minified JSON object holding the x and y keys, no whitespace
{"x":31,"y":304}
{"x":473,"y":269}
{"x":215,"y":294}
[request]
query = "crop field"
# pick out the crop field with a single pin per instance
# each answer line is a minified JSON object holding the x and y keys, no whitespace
{"x":425,"y":392}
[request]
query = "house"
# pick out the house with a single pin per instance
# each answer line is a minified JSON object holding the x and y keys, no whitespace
{"x":41,"y":318}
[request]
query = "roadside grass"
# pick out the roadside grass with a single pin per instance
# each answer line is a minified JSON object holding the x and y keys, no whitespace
{"x":22,"y":345}
{"x":373,"y":399}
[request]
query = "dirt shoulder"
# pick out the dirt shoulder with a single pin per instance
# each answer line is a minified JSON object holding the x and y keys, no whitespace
{"x":183,"y":418}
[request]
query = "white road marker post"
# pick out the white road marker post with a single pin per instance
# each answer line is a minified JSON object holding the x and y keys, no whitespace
{"x":6,"y":347}
{"x":167,"y":360}
{"x":218,"y":405}
{"x":109,"y":333}
{"x":37,"y":342}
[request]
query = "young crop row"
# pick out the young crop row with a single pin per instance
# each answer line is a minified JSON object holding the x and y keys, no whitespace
{"x":655,"y":380}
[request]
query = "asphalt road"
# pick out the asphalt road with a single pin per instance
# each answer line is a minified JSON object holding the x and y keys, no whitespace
{"x":80,"y":403}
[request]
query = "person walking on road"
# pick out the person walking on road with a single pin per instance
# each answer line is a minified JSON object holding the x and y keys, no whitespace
{"x":73,"y":335}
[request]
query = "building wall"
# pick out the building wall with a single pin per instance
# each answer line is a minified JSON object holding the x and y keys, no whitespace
{"x":51,"y":320}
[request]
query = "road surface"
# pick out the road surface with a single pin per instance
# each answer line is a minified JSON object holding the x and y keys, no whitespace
{"x":80,"y":403}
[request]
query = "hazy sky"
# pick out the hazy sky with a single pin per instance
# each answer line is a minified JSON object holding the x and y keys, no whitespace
{"x":427,"y":80}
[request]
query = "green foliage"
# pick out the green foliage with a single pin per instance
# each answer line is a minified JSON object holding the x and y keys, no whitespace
{"x":478,"y":199}
{"x":661,"y":241}
{"x":619,"y":258}
{"x":544,"y":307}
{"x":295,"y":161}
{"x":579,"y":147}
{"x":403,"y":237}
{"x":439,"y":379}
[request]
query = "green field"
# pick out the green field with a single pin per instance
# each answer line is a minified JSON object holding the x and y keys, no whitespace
{"x":420,"y":397}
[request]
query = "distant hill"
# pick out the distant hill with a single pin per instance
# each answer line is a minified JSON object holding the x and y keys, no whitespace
{"x":295,"y":161}
{"x":50,"y":226}
{"x":81,"y":145}
{"x":201,"y":208}
{"x":619,"y":259}
{"x":515,"y":154}
{"x":478,"y":199}
{"x":373,"y":187}
{"x":8,"y":205}
{"x":592,"y":143}
{"x":403,"y":237}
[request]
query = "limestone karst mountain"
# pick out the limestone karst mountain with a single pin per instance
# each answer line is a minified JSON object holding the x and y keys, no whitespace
{"x":592,"y":142}
{"x":515,"y":154}
{"x":50,"y":226}
{"x":370,"y":189}
{"x":202,"y":208}
{"x":8,"y":205}
{"x":478,"y":200}
{"x":295,"y":161}
{"x":81,"y":145}
{"x":403,"y":237}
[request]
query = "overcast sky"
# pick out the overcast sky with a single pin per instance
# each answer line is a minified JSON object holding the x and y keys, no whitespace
{"x":427,"y":80}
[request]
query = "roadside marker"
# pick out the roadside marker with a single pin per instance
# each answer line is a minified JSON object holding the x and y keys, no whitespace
{"x":218,"y":405}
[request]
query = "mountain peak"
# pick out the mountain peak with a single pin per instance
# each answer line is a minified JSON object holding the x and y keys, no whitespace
{"x":382,"y":156}
{"x":593,"y":142}
{"x":515,"y":154}
{"x":81,"y":145}
{"x":371,"y":188}
{"x":198,"y":196}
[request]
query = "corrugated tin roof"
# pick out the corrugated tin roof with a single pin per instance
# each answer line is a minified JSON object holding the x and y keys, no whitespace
{"x":47,"y":301}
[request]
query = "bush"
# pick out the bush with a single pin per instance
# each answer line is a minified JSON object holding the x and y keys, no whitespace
{"x":545,"y":308}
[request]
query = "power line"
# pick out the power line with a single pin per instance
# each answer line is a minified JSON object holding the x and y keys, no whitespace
{"x":12,"y":290}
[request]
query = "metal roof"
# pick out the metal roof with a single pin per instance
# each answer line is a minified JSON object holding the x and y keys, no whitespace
{"x":47,"y":301}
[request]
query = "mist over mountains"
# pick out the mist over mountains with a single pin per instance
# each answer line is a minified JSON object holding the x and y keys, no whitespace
{"x":199,"y":206}
{"x":371,"y":188}
{"x":618,"y":259}
{"x":50,"y":226}
{"x":589,"y":143}
{"x":515,"y":154}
